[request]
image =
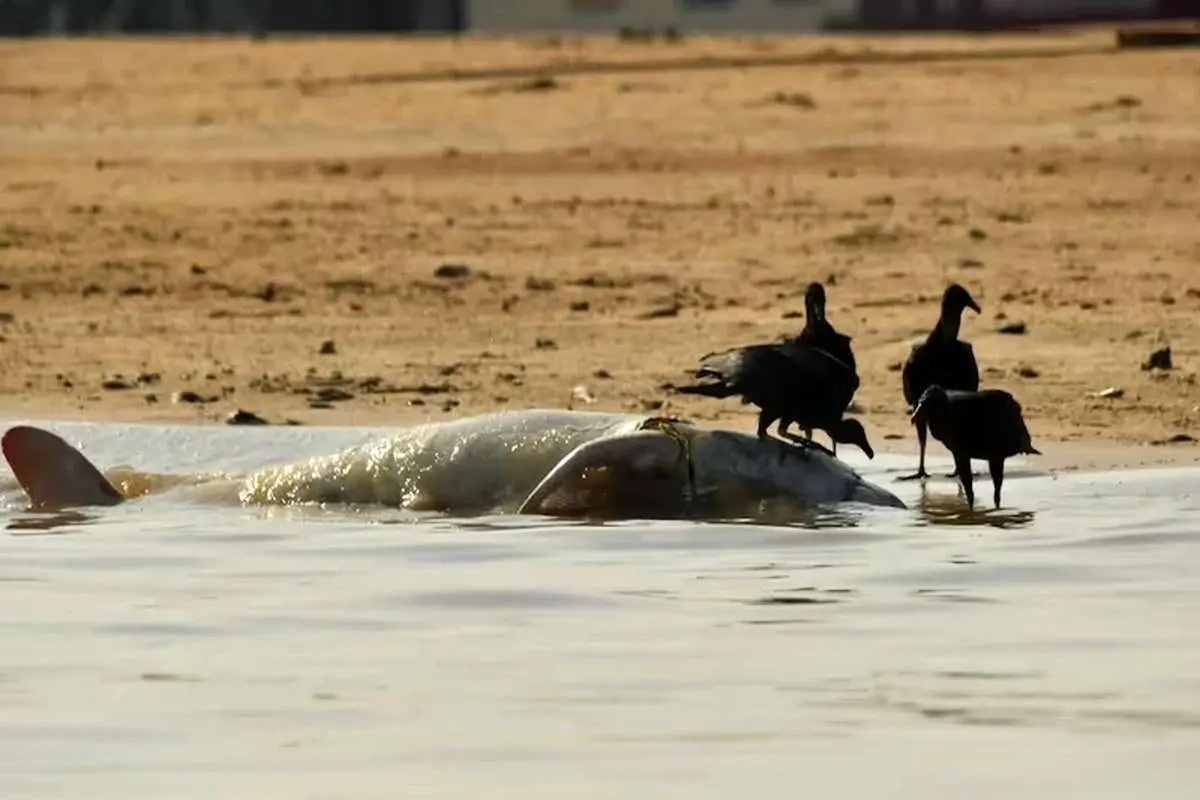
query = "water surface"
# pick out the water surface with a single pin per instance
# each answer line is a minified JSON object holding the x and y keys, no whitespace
{"x":172,"y":648}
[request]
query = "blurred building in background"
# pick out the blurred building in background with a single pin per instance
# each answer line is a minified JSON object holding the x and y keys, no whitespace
{"x":51,"y":17}
{"x":263,"y":17}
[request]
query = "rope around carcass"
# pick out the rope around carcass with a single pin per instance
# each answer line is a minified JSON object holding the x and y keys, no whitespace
{"x":667,"y":425}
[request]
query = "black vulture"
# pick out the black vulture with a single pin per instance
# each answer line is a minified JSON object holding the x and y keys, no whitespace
{"x":818,"y":332}
{"x":788,"y":382}
{"x":985,"y":425}
{"x":941,"y":359}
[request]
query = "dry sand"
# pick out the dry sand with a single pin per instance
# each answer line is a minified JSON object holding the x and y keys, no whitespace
{"x":202,"y":215}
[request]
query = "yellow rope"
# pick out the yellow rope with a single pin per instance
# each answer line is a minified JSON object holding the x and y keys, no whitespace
{"x":667,"y":425}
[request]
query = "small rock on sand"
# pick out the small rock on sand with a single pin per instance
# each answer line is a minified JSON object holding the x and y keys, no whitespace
{"x":188,"y":396}
{"x":795,"y":99}
{"x":535,"y":284}
{"x":243,"y":417}
{"x":332,"y":394}
{"x":1179,"y":438}
{"x":452,"y":271}
{"x":1159,"y":359}
{"x":662,"y":312}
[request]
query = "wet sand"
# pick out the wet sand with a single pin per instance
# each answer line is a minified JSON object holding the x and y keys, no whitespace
{"x":575,"y":222}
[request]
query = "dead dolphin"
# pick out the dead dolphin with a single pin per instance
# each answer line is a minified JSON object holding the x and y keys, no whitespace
{"x":550,"y":462}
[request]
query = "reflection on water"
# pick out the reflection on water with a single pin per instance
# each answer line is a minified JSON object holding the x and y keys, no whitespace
{"x":1016,"y":700}
{"x":331,"y":651}
{"x":937,"y":507}
{"x":48,"y":523}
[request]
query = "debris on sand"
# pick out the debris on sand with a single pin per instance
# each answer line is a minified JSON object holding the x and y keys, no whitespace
{"x":1179,"y":438}
{"x":1111,"y":393}
{"x":332,"y":394}
{"x":538,"y":83}
{"x":542,"y":83}
{"x":794,"y":99}
{"x":535,"y":284}
{"x":242,"y":417}
{"x":452,"y":271}
{"x":188,"y":396}
{"x":1012,"y":328}
{"x":429,"y":388}
{"x":1126,"y":101}
{"x":663,"y":312}
{"x":1159,"y":359}
{"x":327,"y":348}
{"x":868,"y":236}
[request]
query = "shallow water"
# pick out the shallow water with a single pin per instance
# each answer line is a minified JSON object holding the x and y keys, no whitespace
{"x":169,"y":648}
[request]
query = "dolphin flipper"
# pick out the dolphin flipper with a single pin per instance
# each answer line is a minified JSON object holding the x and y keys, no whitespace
{"x":641,"y":453}
{"x":53,"y":473}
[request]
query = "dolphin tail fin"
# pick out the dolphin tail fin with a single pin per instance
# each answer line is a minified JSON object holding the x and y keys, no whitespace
{"x":53,"y":473}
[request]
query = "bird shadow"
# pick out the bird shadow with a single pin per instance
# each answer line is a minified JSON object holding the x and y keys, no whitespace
{"x":49,"y":523}
{"x":952,"y":509}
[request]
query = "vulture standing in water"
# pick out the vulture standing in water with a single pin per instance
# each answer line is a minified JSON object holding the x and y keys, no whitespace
{"x":796,"y":381}
{"x":942,"y":359}
{"x":985,"y":425}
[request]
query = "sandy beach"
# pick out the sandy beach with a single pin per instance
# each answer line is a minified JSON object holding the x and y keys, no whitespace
{"x":378,"y":231}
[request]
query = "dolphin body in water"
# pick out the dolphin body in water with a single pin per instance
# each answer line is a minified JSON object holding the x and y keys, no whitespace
{"x":545,"y":462}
